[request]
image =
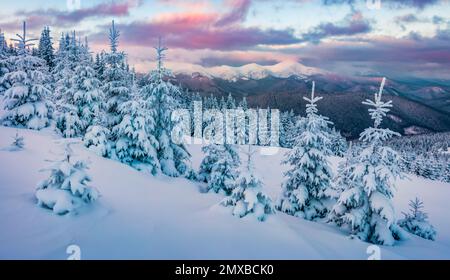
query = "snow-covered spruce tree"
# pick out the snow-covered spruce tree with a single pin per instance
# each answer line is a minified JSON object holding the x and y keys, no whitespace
{"x":243,"y":103}
{"x":287,"y":129}
{"x":338,"y":144}
{"x":26,"y":103}
{"x":447,"y":173}
{"x":66,"y":189}
{"x":135,"y":144}
{"x":223,"y":175}
{"x":116,"y":81}
{"x":66,"y":60}
{"x":82,"y":101}
{"x":45,"y":50}
{"x":99,"y":65}
{"x":222,"y":104}
{"x":241,"y":120}
{"x":212,"y":152}
{"x":416,"y":221}
{"x":220,"y":168}
{"x":197,"y":118}
{"x":303,"y":192}
{"x":241,"y":133}
{"x":68,"y":122}
{"x":164,"y":97}
{"x":3,"y":43}
{"x":365,"y":206}
{"x":4,"y":63}
{"x":231,"y":102}
{"x":96,"y":139}
{"x":248,"y":196}
{"x":343,"y":177}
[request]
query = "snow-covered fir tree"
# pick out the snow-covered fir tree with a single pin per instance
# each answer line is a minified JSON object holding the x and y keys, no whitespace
{"x":416,"y":221}
{"x":45,"y":50}
{"x":222,"y":104}
{"x":303,"y":192}
{"x":26,"y":103}
{"x":135,"y":142}
{"x":12,"y":50}
{"x":287,"y":129}
{"x":231,"y":103}
{"x":338,"y":144}
{"x":67,"y":58}
{"x":5,"y":64}
{"x":164,"y":97}
{"x":99,"y":65}
{"x":82,"y":101}
{"x":196,"y":100}
{"x":220,"y":168}
{"x":241,"y":127}
{"x":116,"y":81}
{"x":96,"y":139}
{"x":3,"y":43}
{"x":67,"y":187}
{"x":446,"y":175}
{"x":243,"y":103}
{"x":365,"y":206}
{"x":343,"y":177}
{"x":212,"y":152}
{"x":248,"y":197}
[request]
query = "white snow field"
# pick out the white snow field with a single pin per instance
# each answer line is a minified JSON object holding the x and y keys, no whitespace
{"x":139,"y":216}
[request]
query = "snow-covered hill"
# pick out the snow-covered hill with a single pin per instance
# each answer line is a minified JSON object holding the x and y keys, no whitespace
{"x":251,"y":71}
{"x":143,"y":217}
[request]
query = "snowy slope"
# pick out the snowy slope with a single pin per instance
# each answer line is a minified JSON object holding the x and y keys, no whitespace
{"x":143,"y":217}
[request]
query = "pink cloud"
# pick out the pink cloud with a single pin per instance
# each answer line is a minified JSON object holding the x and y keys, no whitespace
{"x":203,"y":30}
{"x":239,"y":10}
{"x":64,"y":18}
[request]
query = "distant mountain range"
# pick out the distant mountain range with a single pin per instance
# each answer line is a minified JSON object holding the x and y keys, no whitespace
{"x":253,"y":71}
{"x":420,"y":106}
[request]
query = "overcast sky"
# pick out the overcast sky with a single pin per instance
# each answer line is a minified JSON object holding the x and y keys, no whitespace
{"x":402,"y":38}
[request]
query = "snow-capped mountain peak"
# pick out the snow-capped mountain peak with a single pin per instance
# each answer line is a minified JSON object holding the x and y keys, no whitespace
{"x":251,"y":71}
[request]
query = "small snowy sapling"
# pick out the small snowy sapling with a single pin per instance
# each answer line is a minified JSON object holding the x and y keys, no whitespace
{"x":18,"y":142}
{"x":67,"y":188}
{"x":416,"y":221}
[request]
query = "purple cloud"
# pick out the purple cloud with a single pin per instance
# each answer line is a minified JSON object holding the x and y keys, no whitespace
{"x":231,"y":61}
{"x":59,"y":17}
{"x":387,"y":55}
{"x":407,"y":18}
{"x":200,"y":31}
{"x":420,"y":4}
{"x":237,"y":13}
{"x":354,"y":24}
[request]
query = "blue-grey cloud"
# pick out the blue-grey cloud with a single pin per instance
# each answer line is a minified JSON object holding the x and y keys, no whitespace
{"x":353,"y":24}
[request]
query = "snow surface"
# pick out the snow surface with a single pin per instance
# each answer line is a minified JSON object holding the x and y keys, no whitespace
{"x":139,"y":216}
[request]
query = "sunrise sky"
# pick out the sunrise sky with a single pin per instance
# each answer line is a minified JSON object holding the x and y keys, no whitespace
{"x":403,"y":38}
